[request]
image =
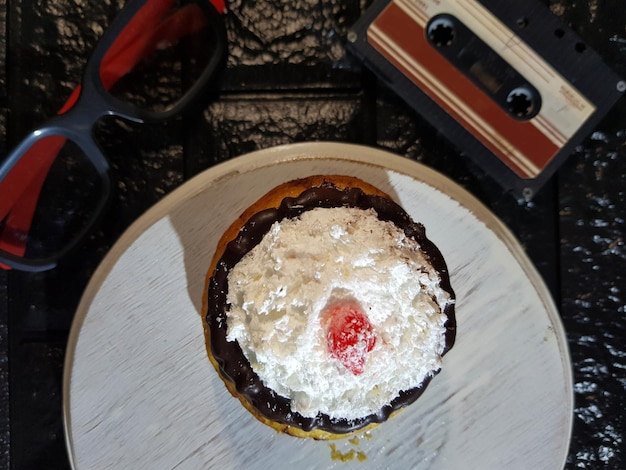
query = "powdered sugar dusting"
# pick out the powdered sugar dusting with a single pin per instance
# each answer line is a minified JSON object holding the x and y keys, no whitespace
{"x":279,"y":291}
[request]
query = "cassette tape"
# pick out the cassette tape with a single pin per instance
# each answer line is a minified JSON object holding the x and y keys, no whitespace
{"x":506,"y":81}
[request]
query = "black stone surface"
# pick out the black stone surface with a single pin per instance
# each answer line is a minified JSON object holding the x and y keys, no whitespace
{"x":289,"y":79}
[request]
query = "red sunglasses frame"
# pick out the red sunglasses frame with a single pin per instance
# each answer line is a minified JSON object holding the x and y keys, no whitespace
{"x":21,"y":187}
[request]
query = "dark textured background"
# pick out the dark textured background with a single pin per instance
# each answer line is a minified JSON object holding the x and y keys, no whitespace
{"x":289,"y":79}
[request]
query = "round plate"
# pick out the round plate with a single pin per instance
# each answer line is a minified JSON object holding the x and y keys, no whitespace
{"x":140,"y":391}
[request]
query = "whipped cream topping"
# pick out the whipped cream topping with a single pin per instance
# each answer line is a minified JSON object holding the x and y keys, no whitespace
{"x":279,"y":291}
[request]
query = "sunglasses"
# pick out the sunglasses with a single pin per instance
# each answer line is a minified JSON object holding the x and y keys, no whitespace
{"x":55,"y":184}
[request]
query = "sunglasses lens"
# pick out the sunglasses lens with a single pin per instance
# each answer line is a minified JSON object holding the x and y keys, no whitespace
{"x":52,"y":197}
{"x":161,"y":54}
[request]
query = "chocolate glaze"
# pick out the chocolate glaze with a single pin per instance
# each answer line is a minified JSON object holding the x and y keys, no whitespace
{"x":232,"y":363}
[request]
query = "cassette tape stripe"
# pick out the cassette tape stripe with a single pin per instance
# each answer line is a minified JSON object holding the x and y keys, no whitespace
{"x":446,"y":99}
{"x":516,"y":51}
{"x":508,"y":41}
{"x":419,"y":15}
{"x":513,"y":142}
{"x":550,"y":130}
{"x":510,"y":46}
{"x":493,"y":139}
{"x":558,"y":94}
{"x":514,"y":88}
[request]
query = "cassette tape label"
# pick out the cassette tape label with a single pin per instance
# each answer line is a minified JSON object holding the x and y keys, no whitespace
{"x":399,"y":33}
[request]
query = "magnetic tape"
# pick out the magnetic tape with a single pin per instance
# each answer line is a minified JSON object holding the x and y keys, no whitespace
{"x":507,"y":82}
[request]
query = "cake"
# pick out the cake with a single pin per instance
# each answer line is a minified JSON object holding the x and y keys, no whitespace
{"x":327,"y":308}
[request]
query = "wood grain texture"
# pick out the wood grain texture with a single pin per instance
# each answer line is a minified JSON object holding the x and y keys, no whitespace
{"x":140,"y":391}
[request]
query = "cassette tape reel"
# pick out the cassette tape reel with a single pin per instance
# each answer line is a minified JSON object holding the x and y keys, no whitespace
{"x":507,"y":82}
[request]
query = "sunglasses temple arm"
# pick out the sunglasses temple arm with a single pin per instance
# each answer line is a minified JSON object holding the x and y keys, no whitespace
{"x":148,"y":15}
{"x":132,"y":44}
{"x":130,"y":48}
{"x":18,"y":222}
{"x":123,"y":55}
{"x":35,"y":161}
{"x":184,"y":21}
{"x":19,"y":209}
{"x":29,"y":165}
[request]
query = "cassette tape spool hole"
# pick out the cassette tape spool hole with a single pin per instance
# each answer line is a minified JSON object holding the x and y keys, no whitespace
{"x":483,"y":66}
{"x":441,"y":31}
{"x":521,"y":102}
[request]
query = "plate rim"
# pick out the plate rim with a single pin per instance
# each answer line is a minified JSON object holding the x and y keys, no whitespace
{"x":355,"y":153}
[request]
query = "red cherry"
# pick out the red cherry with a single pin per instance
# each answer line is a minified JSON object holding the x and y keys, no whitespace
{"x":349,"y":335}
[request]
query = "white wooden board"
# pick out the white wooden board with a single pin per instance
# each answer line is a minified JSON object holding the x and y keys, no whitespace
{"x":139,"y":391}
